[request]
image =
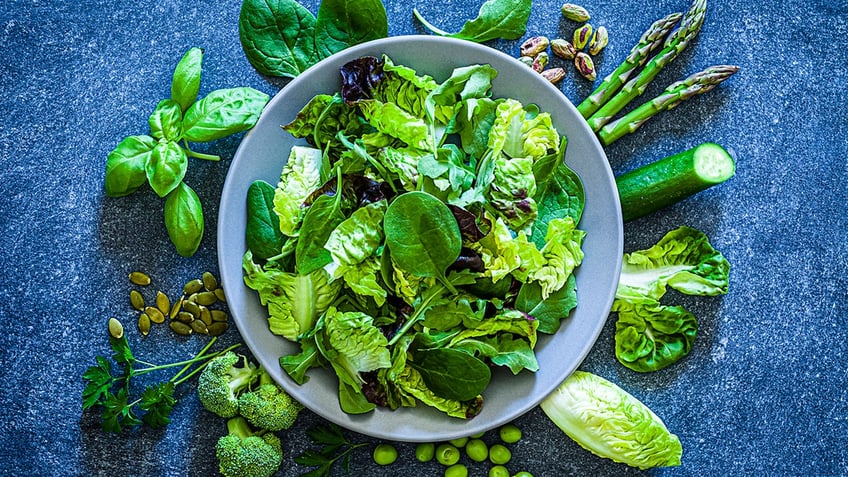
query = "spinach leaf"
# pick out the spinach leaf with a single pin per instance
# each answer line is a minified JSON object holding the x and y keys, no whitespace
{"x":423,"y":235}
{"x":126,"y":164}
{"x":277,"y":36}
{"x":322,"y":217}
{"x":452,"y":374}
{"x":184,"y":219}
{"x":504,"y":350}
{"x":262,"y":234}
{"x":651,"y":336}
{"x":550,"y":311}
{"x":559,"y":193}
{"x":506,"y":19}
{"x":343,"y":23}
{"x":166,"y":167}
{"x":186,"y":80}
{"x":223,"y":112}
{"x":166,"y":121}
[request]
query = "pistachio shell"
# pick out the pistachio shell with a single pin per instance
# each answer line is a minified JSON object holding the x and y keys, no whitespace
{"x":599,"y":41}
{"x":563,"y":49}
{"x":535,"y":45}
{"x":575,"y":12}
{"x":582,"y":36}
{"x":554,"y":75}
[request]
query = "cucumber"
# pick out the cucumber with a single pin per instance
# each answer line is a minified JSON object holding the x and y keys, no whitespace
{"x":672,"y":179}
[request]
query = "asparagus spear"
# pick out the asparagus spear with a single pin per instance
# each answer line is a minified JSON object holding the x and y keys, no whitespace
{"x":651,"y":40}
{"x":676,"y":93}
{"x":674,"y":44}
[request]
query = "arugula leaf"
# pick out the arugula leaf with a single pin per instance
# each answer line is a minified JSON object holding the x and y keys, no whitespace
{"x":497,"y":19}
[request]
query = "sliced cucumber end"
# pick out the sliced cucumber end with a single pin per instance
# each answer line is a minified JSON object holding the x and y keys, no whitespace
{"x":713,"y":163}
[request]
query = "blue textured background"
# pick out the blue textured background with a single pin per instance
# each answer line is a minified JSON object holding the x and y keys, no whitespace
{"x":763,"y":392}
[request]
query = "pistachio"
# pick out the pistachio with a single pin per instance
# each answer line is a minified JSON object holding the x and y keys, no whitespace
{"x":585,"y":66}
{"x":136,"y":300}
{"x":575,"y":12}
{"x":554,"y":75}
{"x":209,"y":281}
{"x":582,"y":36}
{"x":219,"y":294}
{"x":180,"y":328}
{"x":155,"y":314}
{"x":535,"y":45}
{"x":206,"y":298}
{"x":193,"y":287}
{"x":218,"y":328}
{"x":116,"y":329}
{"x":163,"y":303}
{"x":139,"y":278}
{"x":563,"y":49}
{"x":540,"y":62}
{"x":144,"y":324}
{"x":599,"y":41}
{"x":218,"y":315}
{"x":527,"y":60}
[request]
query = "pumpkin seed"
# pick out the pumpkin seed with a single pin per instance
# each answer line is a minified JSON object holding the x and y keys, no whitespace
{"x":136,"y":300}
{"x":218,"y":315}
{"x":206,"y":298}
{"x":139,"y":278}
{"x":193,"y":286}
{"x":178,"y":306}
{"x":192,"y":308}
{"x":116,"y":329}
{"x":185,"y":317}
{"x":219,"y":294}
{"x":191,"y":299}
{"x":180,"y":328}
{"x":210,"y":283}
{"x":154,"y":314}
{"x":199,"y":327}
{"x":218,"y":328}
{"x":205,"y":315}
{"x":163,"y":303}
{"x":144,"y":324}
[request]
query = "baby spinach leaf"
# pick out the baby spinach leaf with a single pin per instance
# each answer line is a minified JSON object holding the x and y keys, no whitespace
{"x":126,"y":165}
{"x":184,"y":219}
{"x":559,"y":193}
{"x":166,"y":121}
{"x":185,"y":83}
{"x":423,"y":235}
{"x":452,"y":374}
{"x":550,"y":311}
{"x":223,"y":112}
{"x":277,"y":36}
{"x":506,"y":19}
{"x":166,"y":167}
{"x":322,"y":217}
{"x":343,"y":23}
{"x":262,"y":235}
{"x":651,"y":336}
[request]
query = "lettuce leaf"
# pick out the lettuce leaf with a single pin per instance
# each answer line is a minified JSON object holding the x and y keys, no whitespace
{"x":649,"y":337}
{"x":562,"y":255}
{"x":301,"y":175}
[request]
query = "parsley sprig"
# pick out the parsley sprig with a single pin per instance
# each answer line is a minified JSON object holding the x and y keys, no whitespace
{"x":108,"y":387}
{"x":335,"y":448}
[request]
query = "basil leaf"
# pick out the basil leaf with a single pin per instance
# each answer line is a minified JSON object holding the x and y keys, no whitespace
{"x":506,"y":19}
{"x":277,"y":36}
{"x":342,"y":23}
{"x":322,"y":217}
{"x":452,"y":374}
{"x":223,"y":112}
{"x":263,"y":235}
{"x":184,"y":219}
{"x":423,"y":235}
{"x":125,"y":165}
{"x":166,"y":121}
{"x":186,"y":80}
{"x":550,"y":311}
{"x":166,"y":167}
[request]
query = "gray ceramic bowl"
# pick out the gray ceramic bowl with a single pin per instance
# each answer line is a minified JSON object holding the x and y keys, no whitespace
{"x":262,"y":154}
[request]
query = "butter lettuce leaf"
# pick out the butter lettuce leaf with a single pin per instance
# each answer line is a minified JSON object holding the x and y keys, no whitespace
{"x":300,"y":176}
{"x":649,"y":337}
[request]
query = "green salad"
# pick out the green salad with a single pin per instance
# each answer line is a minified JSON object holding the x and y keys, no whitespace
{"x":422,"y":234}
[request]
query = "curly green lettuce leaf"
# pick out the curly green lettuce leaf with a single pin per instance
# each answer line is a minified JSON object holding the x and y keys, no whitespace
{"x":407,"y":89}
{"x":609,"y":422}
{"x":562,"y":255}
{"x":403,"y":162}
{"x":294,"y":301}
{"x":392,"y":120}
{"x":507,"y":321}
{"x":649,"y":337}
{"x":300,"y":176}
{"x":323,"y":117}
{"x":683,"y":259}
{"x":519,"y":132}
{"x":358,"y":345}
{"x":512,"y":189}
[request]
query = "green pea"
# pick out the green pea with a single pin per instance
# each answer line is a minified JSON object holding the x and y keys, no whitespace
{"x":424,"y":452}
{"x":457,"y":470}
{"x":447,"y":454}
{"x":523,"y":473}
{"x":460,"y":443}
{"x":385,"y":454}
{"x":477,"y":450}
{"x":499,"y":454}
{"x":498,"y":471}
{"x":510,"y":433}
{"x":479,"y":435}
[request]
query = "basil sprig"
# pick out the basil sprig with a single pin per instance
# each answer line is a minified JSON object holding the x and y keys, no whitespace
{"x":161,"y":157}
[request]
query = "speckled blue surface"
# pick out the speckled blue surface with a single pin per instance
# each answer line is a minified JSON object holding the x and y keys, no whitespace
{"x":763,"y":392}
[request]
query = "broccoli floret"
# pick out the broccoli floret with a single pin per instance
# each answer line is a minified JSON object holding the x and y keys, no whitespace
{"x":221,"y":383}
{"x":244,"y":452}
{"x":269,"y":406}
